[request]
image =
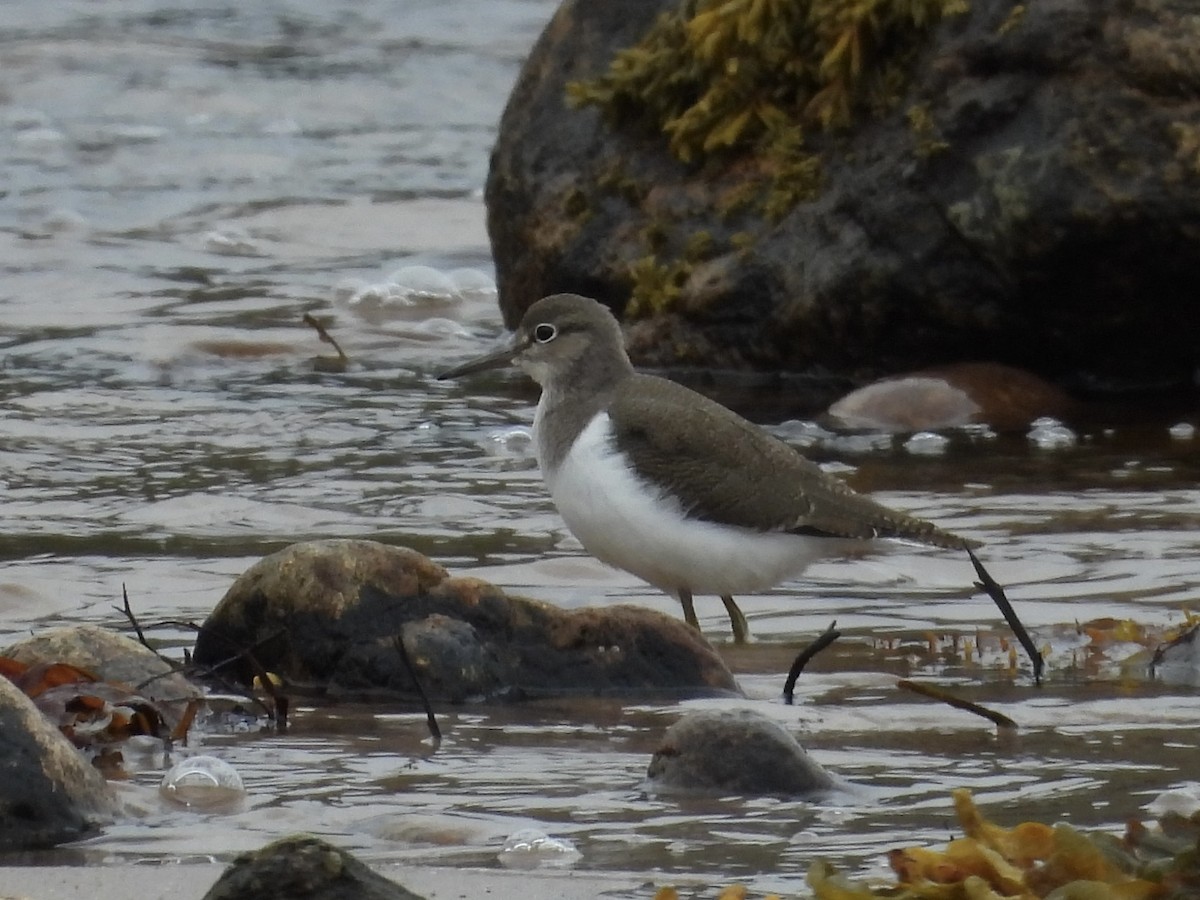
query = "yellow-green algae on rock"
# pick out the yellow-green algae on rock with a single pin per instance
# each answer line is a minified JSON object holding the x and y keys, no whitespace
{"x":722,"y":76}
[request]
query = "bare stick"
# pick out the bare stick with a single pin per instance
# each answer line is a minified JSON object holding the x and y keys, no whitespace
{"x":937,"y":693}
{"x":127,"y":610}
{"x":827,"y":637}
{"x":434,"y":729}
{"x":132,"y":618}
{"x":324,"y":335}
{"x":988,"y":584}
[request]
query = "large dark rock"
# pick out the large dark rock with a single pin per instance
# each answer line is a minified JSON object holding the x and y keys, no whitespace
{"x":303,"y":866}
{"x":735,"y":751}
{"x":1044,"y":210}
{"x":326,"y":614}
{"x":49,"y":793}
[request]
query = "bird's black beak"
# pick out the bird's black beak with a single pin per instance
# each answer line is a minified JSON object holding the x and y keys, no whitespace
{"x":491,"y":361}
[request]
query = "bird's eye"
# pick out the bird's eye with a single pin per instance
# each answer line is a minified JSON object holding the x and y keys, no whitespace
{"x":544,"y":333}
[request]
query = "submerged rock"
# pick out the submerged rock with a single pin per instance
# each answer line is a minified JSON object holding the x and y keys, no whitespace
{"x":735,"y":751}
{"x":1027,"y":193}
{"x":49,"y":793}
{"x":326,"y":614}
{"x":303,"y":866}
{"x":1178,"y":661}
{"x":1005,"y":398}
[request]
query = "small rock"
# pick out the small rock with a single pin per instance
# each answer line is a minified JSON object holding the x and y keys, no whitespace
{"x":326,"y":614}
{"x":303,"y":866}
{"x":967,"y":393}
{"x":737,"y":751}
{"x":48,"y":792}
{"x":109,"y":656}
{"x":1178,"y":662}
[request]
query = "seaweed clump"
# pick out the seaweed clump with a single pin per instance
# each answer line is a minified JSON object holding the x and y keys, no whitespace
{"x":724,"y":77}
{"x":658,"y":285}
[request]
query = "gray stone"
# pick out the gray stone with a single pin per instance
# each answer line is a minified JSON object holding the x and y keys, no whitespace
{"x":109,"y":656}
{"x":49,"y":793}
{"x":1178,"y":661}
{"x":736,"y":751}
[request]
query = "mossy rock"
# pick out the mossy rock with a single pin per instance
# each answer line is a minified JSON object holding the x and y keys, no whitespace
{"x":1011,"y":185}
{"x":326,"y":617}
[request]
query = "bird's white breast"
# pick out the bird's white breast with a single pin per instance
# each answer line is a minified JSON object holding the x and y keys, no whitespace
{"x":629,"y":523}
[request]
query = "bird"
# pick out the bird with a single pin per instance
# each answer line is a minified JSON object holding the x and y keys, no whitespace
{"x":665,"y":483}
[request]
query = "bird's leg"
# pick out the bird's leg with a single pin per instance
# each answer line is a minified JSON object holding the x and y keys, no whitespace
{"x":689,"y":608}
{"x":737,"y":619}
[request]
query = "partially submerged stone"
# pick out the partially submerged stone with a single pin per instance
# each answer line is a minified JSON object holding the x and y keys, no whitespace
{"x":49,"y":793}
{"x":735,"y":751}
{"x":108,"y":655}
{"x":303,"y":866}
{"x":326,"y":615}
{"x":1178,"y":662}
{"x":1004,"y":397}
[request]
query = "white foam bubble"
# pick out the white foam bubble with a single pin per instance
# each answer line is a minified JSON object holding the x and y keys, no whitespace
{"x":231,"y":242}
{"x":510,"y":443}
{"x":472,"y":283}
{"x":1048,"y":433}
{"x":202,"y":781}
{"x":533,"y":849}
{"x":927,"y":443}
{"x":423,"y":283}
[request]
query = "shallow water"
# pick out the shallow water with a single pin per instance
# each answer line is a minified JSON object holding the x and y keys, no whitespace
{"x":185,"y":182}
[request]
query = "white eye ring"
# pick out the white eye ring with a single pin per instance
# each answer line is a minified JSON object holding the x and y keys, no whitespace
{"x":544,"y":333}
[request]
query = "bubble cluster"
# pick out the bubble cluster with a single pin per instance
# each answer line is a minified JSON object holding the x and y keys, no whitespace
{"x":416,"y":288}
{"x":533,"y":849}
{"x":927,"y":443}
{"x":1047,"y":433}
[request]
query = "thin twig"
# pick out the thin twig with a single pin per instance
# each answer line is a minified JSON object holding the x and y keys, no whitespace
{"x":132,"y":618}
{"x":247,"y":653}
{"x":988,"y":584}
{"x":826,"y":638}
{"x":937,"y":693}
{"x":137,"y":627}
{"x":434,"y":729}
{"x":324,"y":335}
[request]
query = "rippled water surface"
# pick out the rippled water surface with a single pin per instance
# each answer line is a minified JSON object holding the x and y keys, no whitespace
{"x":185,"y":181}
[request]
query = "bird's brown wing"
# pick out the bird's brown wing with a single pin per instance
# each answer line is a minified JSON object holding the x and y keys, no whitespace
{"x":737,"y":474}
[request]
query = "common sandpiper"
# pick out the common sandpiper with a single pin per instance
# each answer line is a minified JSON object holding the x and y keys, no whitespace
{"x":673,"y":487}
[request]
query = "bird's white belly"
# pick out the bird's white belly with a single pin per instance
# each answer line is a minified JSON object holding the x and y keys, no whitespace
{"x":626,"y":523}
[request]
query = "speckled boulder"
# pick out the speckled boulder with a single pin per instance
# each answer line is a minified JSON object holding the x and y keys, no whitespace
{"x":49,"y":793}
{"x":735,"y":751}
{"x":327,"y":614}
